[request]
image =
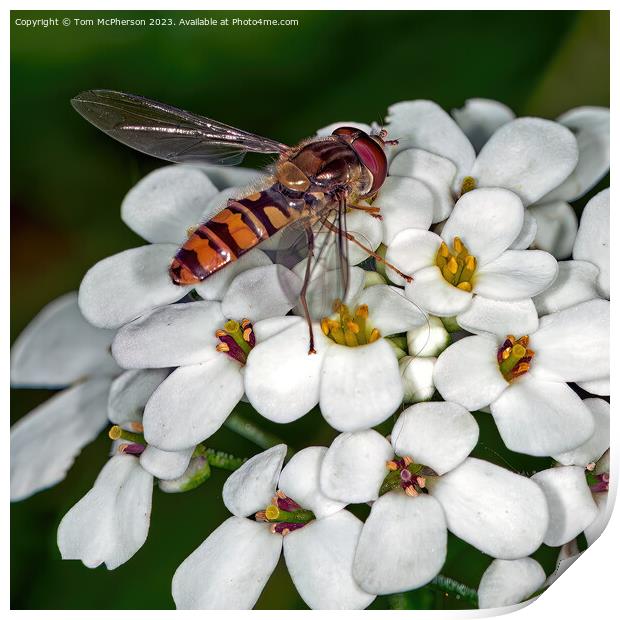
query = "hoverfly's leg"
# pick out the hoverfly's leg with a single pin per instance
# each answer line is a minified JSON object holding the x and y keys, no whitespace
{"x":374,"y":211}
{"x":304,"y":288}
{"x":370,"y":252}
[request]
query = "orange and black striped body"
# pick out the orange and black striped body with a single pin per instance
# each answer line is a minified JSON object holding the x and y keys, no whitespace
{"x":242,"y":225}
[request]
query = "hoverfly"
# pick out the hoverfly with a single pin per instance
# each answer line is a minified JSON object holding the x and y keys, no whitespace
{"x":313,"y":183}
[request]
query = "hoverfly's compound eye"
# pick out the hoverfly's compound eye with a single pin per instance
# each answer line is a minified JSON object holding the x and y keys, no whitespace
{"x":370,"y":151}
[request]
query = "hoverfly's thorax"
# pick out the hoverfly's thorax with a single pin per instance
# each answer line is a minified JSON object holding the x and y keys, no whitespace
{"x":327,"y":163}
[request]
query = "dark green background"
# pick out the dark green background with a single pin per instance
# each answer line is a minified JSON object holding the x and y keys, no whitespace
{"x":67,"y":182}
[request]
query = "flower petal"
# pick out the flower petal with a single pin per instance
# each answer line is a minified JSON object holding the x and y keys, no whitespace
{"x":467,"y":373}
{"x":233,"y":176}
{"x":507,"y":582}
{"x":299,"y":480}
{"x":211,"y":578}
{"x":590,"y":124}
{"x":172,"y":336}
{"x":600,"y":387}
{"x":592,"y":242}
{"x":596,"y":527}
{"x":261,"y":292}
{"x":111,"y":522}
{"x":215,"y":286}
{"x":130,"y":392}
{"x":253,"y":485}
{"x":529,"y":156}
{"x":354,"y":466}
{"x":192,"y":403}
{"x":425,"y":125}
{"x":45,"y":442}
{"x":319,"y":558}
{"x":402,"y":545}
{"x":438,"y":435}
{"x":122,"y":287}
{"x":412,"y":250}
{"x":481,"y":118}
{"x":498,"y":512}
{"x":390,"y":311}
{"x":487,"y":221}
{"x":573,"y":344}
{"x":436,"y":172}
{"x":165,"y":465}
{"x":435,"y":295}
{"x":404,"y":203}
{"x":541,"y":417}
{"x":360,"y":386}
{"x":571,"y":507}
{"x":499,"y":318}
{"x":526,"y":236}
{"x":556,"y":228}
{"x":516,"y":274}
{"x":285,"y":357}
{"x":576,"y":282}
{"x":165,"y":203}
{"x":58,"y":347}
{"x":595,"y":447}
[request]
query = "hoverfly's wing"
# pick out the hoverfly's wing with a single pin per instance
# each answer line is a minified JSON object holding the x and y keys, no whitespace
{"x":323,"y":266}
{"x":167,"y":132}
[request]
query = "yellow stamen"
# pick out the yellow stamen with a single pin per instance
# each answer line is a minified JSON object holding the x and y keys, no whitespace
{"x":137,"y":427}
{"x":458,"y":245}
{"x":362,"y":311}
{"x":391,"y":465}
{"x":325,"y":326}
{"x":421,"y":481}
{"x":374,"y":335}
{"x":467,"y":185}
{"x":222,"y":347}
{"x":464,"y":286}
{"x":247,"y":332}
{"x":411,"y":491}
{"x":260,"y":516}
{"x":349,"y":338}
{"x":354,"y":327}
{"x":407,"y":460}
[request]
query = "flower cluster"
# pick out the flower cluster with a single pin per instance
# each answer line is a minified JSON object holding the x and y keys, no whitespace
{"x":485,"y":294}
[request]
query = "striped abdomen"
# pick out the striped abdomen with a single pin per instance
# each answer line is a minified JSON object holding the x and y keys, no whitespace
{"x":243,"y":224}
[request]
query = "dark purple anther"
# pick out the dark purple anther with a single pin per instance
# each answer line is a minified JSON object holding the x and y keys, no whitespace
{"x":602,"y":483}
{"x":280,"y":527}
{"x":234,"y":350}
{"x":133,"y":448}
{"x":287,"y":504}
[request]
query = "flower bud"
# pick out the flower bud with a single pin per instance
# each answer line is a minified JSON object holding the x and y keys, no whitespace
{"x":417,"y":377}
{"x":428,"y":340}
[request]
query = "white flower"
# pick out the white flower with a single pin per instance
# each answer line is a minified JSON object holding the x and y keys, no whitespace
{"x":161,"y":208}
{"x":471,"y":260}
{"x":403,"y":542}
{"x":530,"y":156}
{"x":207,"y":342}
{"x":524,"y":382}
{"x":508,"y":582}
{"x":555,"y":222}
{"x":58,"y":349}
{"x":356,"y":386}
{"x":231,"y":567}
{"x":576,"y":491}
{"x":592,"y":242}
{"x":111,"y":522}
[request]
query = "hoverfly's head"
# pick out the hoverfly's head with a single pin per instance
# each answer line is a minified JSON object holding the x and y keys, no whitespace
{"x":371,"y":151}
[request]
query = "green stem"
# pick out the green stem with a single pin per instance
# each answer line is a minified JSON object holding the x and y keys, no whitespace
{"x":397,"y":601}
{"x":456,"y":588}
{"x":244,"y":427}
